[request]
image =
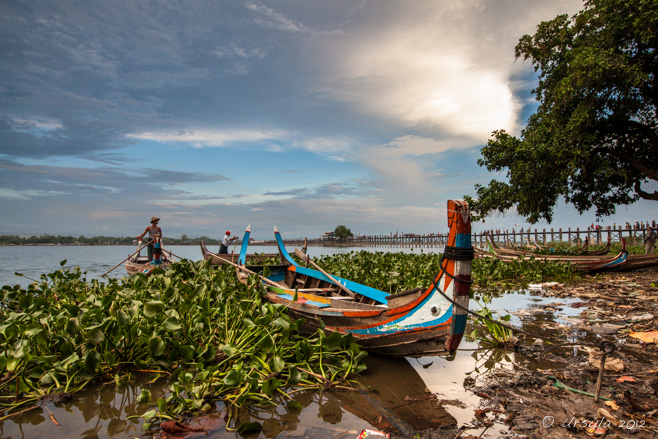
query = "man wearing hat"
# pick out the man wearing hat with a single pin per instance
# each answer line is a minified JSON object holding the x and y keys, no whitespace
{"x":223,"y":249}
{"x":153,"y":230}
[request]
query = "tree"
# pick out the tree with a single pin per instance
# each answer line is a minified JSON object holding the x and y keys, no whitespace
{"x":342,"y":232}
{"x":594,"y":136}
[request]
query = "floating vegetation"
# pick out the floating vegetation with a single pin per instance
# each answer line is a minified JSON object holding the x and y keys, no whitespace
{"x":212,"y":335}
{"x":397,"y":272}
{"x":485,"y":330}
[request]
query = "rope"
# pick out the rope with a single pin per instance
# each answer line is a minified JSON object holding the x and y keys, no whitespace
{"x":447,"y":255}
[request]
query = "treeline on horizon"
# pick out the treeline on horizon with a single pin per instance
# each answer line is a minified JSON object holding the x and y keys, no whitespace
{"x":95,"y":240}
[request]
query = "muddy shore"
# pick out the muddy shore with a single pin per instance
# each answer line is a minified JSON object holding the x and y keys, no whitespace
{"x":551,"y":393}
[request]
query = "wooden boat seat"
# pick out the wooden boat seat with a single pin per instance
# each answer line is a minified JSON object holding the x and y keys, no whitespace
{"x":305,"y":301}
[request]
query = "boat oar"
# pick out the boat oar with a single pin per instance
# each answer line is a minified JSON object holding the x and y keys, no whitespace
{"x":130,"y":256}
{"x":172,"y":253}
{"x":263,"y":278}
{"x":307,"y":259}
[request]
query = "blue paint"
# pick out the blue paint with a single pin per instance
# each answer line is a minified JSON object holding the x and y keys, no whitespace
{"x":243,"y":248}
{"x":459,"y":324}
{"x":306,"y":302}
{"x":463,"y":240}
{"x":401,"y":326}
{"x":364,"y":290}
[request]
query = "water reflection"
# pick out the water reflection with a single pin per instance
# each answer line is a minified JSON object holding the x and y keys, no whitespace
{"x":398,"y":396}
{"x":391,"y":396}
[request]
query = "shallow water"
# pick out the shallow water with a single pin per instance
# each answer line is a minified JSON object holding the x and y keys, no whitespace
{"x":399,"y":396}
{"x":402,"y":395}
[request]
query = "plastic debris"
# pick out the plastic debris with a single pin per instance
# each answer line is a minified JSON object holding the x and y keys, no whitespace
{"x":373,"y":434}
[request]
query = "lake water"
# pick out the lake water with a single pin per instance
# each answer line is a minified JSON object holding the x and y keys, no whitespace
{"x":32,"y":261}
{"x":400,"y":400}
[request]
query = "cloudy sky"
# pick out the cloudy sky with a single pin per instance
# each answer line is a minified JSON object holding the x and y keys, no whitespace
{"x":216,"y":114}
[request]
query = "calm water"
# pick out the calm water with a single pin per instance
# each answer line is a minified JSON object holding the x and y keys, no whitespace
{"x":398,"y":401}
{"x":32,"y":261}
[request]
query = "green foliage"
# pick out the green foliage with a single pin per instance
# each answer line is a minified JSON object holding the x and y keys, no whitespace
{"x":486,"y":331}
{"x":397,"y":272}
{"x":594,"y":137}
{"x":216,"y":337}
{"x":343,"y":232}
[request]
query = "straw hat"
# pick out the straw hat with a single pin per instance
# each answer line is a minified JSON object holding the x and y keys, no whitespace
{"x":154,"y":219}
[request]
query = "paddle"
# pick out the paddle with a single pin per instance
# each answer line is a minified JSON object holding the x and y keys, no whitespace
{"x":263,"y":278}
{"x":172,"y":253}
{"x":129,"y":256}
{"x":307,"y":258}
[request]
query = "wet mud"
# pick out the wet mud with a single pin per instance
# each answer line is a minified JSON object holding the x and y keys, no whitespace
{"x":542,"y":393}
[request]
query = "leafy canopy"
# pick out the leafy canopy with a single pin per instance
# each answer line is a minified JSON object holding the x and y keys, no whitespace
{"x":342,"y":232}
{"x":594,"y":137}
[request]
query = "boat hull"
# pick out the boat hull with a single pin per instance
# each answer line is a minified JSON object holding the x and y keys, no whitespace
{"x":418,"y":322}
{"x":222,"y":259}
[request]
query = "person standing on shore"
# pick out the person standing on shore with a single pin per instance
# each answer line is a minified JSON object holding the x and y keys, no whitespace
{"x":650,"y":241}
{"x":152,"y":231}
{"x":223,"y":248}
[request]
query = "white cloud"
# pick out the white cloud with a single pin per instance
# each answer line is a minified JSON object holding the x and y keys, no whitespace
{"x":275,"y":19}
{"x":444,"y":67}
{"x":210,"y":138}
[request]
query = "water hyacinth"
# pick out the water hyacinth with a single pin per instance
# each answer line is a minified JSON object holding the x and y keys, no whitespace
{"x":397,"y":272}
{"x":214,"y":336}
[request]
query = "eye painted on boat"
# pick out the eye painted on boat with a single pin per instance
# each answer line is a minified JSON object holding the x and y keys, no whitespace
{"x":435,"y":311}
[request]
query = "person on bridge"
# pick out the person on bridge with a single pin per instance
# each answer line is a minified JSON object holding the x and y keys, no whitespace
{"x":650,"y":241}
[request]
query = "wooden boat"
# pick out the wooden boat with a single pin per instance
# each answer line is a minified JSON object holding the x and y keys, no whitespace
{"x":143,"y":266}
{"x":137,"y":263}
{"x":585,"y":263}
{"x":508,"y":252}
{"x":414,"y":323}
{"x":221,"y":259}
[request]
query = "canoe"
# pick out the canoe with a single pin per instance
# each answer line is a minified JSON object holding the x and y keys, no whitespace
{"x":141,"y":264}
{"x":221,"y":259}
{"x":585,"y":263}
{"x":512,"y":253}
{"x":137,"y":263}
{"x":414,"y":323}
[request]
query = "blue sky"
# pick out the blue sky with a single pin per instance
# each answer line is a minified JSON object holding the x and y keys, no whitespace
{"x":302,"y":114}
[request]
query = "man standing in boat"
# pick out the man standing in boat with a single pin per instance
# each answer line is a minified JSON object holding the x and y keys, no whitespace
{"x":223,"y":248}
{"x":152,"y":230}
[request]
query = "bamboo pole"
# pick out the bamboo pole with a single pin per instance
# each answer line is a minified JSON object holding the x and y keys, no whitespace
{"x":129,"y":256}
{"x":308,"y":259}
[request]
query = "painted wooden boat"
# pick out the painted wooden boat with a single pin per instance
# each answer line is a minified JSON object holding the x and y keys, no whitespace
{"x":513,"y":253}
{"x":137,"y":263}
{"x":414,"y":323}
{"x":141,"y":265}
{"x":221,"y":259}
{"x":585,"y":264}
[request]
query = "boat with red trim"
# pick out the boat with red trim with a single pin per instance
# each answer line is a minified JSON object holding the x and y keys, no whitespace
{"x":414,"y":323}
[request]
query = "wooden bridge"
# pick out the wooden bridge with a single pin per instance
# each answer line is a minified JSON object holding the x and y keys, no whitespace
{"x":633,"y":235}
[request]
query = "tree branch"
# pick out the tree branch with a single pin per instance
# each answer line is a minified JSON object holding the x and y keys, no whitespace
{"x":651,"y":173}
{"x":645,"y":195}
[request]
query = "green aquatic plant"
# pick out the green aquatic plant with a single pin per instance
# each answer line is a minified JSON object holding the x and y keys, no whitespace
{"x":485,"y":329}
{"x":215,"y":337}
{"x":397,"y":272}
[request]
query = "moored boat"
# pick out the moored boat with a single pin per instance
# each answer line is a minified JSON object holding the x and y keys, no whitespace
{"x":221,"y":259}
{"x":584,"y":263}
{"x":417,"y":322}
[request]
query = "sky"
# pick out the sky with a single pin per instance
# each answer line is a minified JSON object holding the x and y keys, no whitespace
{"x":300,"y":114}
